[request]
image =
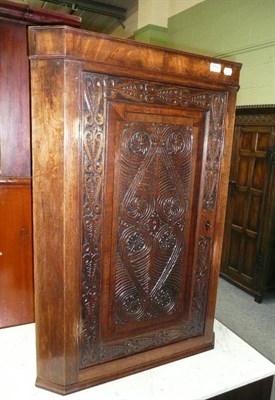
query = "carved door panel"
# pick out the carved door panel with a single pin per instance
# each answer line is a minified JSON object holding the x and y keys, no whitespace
{"x":246,"y":202}
{"x":151,"y":156}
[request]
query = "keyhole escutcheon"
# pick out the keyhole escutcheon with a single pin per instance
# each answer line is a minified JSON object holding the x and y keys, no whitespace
{"x":208,"y":225}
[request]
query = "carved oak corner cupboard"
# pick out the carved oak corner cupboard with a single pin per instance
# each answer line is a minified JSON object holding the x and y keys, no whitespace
{"x":16,"y":266}
{"x":131,"y":148}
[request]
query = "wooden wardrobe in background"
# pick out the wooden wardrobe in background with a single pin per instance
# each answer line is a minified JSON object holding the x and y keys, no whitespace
{"x":249,"y":242}
{"x":16,"y":269}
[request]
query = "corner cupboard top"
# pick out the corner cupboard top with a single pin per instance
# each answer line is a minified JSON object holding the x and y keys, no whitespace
{"x":127,"y":57}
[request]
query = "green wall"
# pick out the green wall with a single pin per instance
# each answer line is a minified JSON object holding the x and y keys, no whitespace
{"x":238,"y":30}
{"x":152,"y":34}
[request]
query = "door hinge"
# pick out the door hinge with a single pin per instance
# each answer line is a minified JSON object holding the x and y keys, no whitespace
{"x":258,"y":263}
{"x":270,"y":156}
{"x":233,"y":187}
{"x":258,"y":271}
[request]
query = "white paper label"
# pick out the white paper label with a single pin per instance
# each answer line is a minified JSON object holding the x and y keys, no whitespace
{"x":215,"y":67}
{"x":227,"y":71}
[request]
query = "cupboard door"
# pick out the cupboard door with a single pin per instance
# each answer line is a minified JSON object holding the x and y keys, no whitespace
{"x":16,"y":270}
{"x":148,"y":214}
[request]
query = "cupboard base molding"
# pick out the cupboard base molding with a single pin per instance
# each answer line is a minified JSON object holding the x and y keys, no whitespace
{"x":135,"y":367}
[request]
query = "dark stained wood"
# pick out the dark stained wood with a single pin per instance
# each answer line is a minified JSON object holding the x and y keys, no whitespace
{"x":130,"y":183}
{"x":16,"y":283}
{"x":16,"y":276}
{"x":248,"y":255}
{"x":14,"y":103}
{"x":16,"y":272}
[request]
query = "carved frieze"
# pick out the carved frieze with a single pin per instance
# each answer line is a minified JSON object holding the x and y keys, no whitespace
{"x":255,"y":119}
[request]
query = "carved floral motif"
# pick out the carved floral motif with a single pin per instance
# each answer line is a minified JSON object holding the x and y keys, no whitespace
{"x":201,"y":283}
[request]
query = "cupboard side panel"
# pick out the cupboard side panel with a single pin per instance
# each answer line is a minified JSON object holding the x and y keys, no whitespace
{"x":48,"y":224}
{"x":72,"y":218}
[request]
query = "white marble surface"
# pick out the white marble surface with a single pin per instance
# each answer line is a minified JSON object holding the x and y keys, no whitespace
{"x":233,"y":363}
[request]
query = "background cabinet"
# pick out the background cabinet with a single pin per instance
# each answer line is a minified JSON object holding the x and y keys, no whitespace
{"x":131,"y":148}
{"x":16,"y":267}
{"x":16,"y":283}
{"x":249,"y":243}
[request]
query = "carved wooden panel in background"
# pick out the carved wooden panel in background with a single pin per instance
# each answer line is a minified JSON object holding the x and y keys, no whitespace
{"x":151,"y":222}
{"x":255,"y":119}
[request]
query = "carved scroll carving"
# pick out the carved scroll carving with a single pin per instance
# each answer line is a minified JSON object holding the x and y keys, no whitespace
{"x":201,"y":284}
{"x":93,"y":171}
{"x":163,"y":223}
{"x":176,"y":96}
{"x":154,"y":191}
